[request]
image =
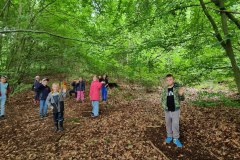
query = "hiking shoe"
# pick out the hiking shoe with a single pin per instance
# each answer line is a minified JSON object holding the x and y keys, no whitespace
{"x":2,"y":117}
{"x":168,"y":139}
{"x":55,"y":126}
{"x":177,"y":142}
{"x":61,"y":126}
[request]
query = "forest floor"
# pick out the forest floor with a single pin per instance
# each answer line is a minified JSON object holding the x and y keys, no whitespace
{"x":131,"y":126}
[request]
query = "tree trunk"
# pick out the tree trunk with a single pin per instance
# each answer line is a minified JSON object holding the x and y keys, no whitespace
{"x":228,"y":46}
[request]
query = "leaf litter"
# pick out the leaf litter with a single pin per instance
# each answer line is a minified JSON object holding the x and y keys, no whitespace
{"x":131,"y":126}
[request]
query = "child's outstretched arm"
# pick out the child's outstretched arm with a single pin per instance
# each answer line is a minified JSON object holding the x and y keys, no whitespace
{"x":181,"y":94}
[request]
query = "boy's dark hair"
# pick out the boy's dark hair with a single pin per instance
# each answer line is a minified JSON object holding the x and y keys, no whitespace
{"x":168,"y":75}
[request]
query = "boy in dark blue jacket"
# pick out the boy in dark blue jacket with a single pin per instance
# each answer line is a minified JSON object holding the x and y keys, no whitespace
{"x":44,"y":90}
{"x":104,"y":88}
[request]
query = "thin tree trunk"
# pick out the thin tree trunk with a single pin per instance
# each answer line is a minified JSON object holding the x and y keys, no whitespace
{"x":229,"y":48}
{"x":226,"y":44}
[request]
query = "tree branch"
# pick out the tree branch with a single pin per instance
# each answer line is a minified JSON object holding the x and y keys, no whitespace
{"x":4,"y":7}
{"x":225,"y":11}
{"x":228,"y":13}
{"x":50,"y":34}
{"x":41,"y":10}
{"x":213,"y":23}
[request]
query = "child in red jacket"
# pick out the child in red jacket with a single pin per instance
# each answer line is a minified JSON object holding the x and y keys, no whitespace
{"x":95,"y":95}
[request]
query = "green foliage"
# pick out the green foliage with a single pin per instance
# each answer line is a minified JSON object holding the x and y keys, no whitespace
{"x":208,"y":99}
{"x":127,"y":39}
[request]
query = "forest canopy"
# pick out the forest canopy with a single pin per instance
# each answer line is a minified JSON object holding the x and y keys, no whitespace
{"x":196,"y":40}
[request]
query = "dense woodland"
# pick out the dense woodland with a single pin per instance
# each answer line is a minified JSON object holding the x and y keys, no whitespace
{"x":140,"y":41}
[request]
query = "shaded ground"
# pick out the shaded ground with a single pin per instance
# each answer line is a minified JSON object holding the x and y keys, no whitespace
{"x":131,"y":126}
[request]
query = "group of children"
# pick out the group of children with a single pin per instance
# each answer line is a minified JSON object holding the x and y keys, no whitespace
{"x":54,"y":97}
{"x":79,"y":88}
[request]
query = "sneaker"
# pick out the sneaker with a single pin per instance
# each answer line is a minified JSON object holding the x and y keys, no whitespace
{"x":92,"y":115}
{"x":168,"y":139}
{"x":41,"y":117}
{"x":177,"y":142}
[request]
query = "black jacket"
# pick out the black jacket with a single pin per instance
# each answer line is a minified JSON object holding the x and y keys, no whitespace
{"x":80,"y":86}
{"x":44,"y":91}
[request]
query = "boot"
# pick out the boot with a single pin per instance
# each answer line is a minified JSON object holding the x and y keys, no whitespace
{"x":61,"y":125}
{"x":55,"y":126}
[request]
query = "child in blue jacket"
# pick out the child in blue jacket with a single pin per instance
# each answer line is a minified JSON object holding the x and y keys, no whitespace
{"x":4,"y":91}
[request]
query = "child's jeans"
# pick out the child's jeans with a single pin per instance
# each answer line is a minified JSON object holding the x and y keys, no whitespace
{"x":80,"y":95}
{"x":104,"y":93}
{"x":95,"y":109}
{"x":172,"y":123}
{"x":57,"y":116}
{"x":3,"y":101}
{"x":43,"y":108}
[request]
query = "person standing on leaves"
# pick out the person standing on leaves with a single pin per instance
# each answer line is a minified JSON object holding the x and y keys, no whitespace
{"x":95,"y":95}
{"x":104,"y":88}
{"x":74,"y":89}
{"x":4,"y":92}
{"x":170,"y":99}
{"x":80,"y":89}
{"x":56,"y":100}
{"x":44,"y":90}
{"x":36,"y":84}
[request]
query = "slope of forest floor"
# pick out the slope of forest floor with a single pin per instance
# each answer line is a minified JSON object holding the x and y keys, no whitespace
{"x":131,"y":126}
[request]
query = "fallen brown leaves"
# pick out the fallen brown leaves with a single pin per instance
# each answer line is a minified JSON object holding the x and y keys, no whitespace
{"x":131,"y":126}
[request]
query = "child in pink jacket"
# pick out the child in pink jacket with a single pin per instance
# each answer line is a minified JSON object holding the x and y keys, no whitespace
{"x":95,"y":95}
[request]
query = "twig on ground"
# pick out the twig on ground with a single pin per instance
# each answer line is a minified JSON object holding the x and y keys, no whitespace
{"x":164,"y":156}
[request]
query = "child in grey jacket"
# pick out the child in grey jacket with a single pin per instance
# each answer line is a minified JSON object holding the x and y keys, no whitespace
{"x":56,"y":100}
